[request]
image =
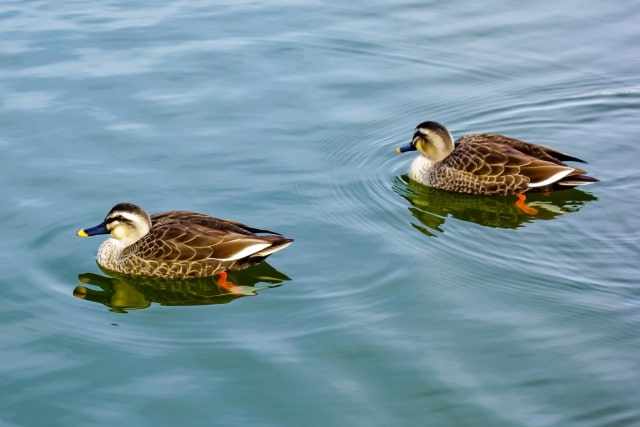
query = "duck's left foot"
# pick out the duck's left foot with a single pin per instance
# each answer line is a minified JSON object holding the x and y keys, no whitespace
{"x":524,"y":207}
{"x":227,"y":286}
{"x":222,"y":281}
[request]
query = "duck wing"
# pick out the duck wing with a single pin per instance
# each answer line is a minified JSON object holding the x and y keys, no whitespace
{"x":534,"y":150}
{"x":503,"y":166}
{"x":186,"y":217}
{"x":176,"y":241}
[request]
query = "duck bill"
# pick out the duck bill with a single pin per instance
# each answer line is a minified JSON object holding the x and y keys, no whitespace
{"x":405,"y":148}
{"x":92,"y":231}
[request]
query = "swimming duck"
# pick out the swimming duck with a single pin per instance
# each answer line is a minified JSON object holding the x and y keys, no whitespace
{"x":489,"y":164}
{"x":179,"y":244}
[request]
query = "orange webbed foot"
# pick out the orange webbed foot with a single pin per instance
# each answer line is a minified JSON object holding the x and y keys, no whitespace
{"x":524,"y":207}
{"x":227,"y":286}
{"x":222,"y":281}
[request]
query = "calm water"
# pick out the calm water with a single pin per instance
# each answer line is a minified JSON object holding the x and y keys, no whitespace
{"x":396,"y":305}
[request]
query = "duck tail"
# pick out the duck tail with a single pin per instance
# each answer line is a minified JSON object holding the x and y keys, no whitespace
{"x":576,"y":180}
{"x":563,"y":157}
{"x":259,"y":230}
{"x":277,"y":243}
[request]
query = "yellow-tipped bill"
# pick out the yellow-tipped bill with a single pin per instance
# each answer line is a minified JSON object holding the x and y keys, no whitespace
{"x":92,"y":231}
{"x":405,"y":148}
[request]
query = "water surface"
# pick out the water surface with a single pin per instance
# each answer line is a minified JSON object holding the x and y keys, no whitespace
{"x":397,"y":304}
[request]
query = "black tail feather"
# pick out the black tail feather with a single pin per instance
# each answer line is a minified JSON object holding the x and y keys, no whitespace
{"x":565,"y":157}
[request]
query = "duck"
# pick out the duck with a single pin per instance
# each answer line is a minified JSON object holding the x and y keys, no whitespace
{"x":489,"y":164}
{"x":179,"y":244}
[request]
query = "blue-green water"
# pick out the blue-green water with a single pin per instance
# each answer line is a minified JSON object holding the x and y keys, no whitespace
{"x":396,"y":305}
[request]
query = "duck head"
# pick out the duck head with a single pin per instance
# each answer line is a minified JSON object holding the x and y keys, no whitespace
{"x":432,"y":140}
{"x":126,"y":223}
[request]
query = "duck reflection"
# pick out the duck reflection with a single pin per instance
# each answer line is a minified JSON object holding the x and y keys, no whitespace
{"x":432,"y":206}
{"x":121,"y":293}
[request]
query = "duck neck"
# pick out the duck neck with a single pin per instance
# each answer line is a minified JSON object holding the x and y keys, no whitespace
{"x":419,"y":168}
{"x":108,"y":252}
{"x":443,"y":146}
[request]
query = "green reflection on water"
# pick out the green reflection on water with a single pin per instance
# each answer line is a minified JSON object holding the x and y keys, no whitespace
{"x":431,"y":207}
{"x":121,"y":292}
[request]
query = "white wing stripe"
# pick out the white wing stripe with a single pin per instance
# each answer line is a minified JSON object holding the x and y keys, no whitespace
{"x":554,"y":178}
{"x":246,"y":251}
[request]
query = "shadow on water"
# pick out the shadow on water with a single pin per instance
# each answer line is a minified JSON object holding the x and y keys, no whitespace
{"x":121,"y":293}
{"x":431,"y":207}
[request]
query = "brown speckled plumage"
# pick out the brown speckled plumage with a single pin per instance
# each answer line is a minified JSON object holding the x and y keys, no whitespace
{"x":179,"y":244}
{"x":488,"y":164}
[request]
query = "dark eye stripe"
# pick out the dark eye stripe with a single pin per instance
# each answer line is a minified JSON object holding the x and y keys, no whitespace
{"x":118,"y":218}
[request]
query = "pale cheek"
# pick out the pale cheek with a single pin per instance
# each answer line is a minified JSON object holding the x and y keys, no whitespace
{"x":117,"y":233}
